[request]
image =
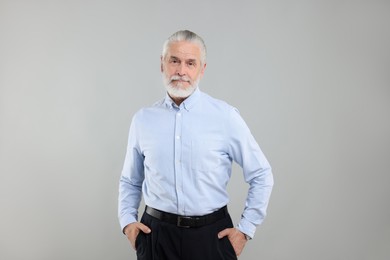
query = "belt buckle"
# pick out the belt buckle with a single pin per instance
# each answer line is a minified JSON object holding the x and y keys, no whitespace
{"x":179,"y":220}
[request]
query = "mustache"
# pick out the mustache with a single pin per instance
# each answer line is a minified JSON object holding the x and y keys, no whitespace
{"x":181,"y":78}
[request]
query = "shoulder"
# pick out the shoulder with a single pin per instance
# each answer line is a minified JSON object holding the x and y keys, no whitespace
{"x":147,"y":111}
{"x":156,"y":106}
{"x":224,"y":109}
{"x":220,"y":107}
{"x":216,"y":103}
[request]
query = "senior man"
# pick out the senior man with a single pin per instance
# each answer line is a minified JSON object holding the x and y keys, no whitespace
{"x":179,"y":158}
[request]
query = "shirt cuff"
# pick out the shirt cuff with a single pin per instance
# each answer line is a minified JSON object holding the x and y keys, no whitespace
{"x":247,"y":228}
{"x":126,"y":220}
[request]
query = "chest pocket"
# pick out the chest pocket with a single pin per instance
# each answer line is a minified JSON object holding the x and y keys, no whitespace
{"x":207,"y":155}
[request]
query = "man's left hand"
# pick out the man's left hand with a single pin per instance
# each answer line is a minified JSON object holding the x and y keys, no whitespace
{"x":236,"y":237}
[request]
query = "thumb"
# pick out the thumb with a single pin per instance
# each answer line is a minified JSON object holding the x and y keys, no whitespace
{"x":144,"y":228}
{"x":224,"y":233}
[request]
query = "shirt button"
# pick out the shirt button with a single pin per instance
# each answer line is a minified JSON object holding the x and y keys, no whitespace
{"x":178,"y":137}
{"x":179,"y":114}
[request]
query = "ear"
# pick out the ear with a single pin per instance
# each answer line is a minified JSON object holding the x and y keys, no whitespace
{"x":161,"y":64}
{"x":203,"y":69}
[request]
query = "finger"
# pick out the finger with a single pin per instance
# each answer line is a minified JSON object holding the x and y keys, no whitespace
{"x":144,"y":228}
{"x":139,"y":227}
{"x":224,"y":233}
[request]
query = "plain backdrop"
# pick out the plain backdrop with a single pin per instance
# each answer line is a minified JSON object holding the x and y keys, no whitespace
{"x":311,"y":79}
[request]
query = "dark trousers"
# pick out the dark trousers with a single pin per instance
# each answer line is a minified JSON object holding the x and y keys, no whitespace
{"x":169,"y":242}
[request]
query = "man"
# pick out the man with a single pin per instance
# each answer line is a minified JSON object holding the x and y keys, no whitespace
{"x":179,"y":157}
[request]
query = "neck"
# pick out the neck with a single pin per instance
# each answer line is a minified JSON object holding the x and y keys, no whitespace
{"x":177,"y":100}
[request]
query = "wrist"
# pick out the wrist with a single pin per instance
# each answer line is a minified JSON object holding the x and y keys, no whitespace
{"x":246,"y":236}
{"x":125,"y":229}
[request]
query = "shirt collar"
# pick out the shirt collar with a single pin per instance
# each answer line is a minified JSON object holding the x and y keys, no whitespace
{"x":188,"y":103}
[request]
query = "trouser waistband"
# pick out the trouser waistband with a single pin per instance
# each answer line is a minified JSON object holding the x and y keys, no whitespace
{"x":188,"y":221}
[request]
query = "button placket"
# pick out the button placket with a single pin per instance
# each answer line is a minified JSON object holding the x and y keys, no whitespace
{"x":178,"y":166}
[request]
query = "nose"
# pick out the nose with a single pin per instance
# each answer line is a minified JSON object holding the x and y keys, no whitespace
{"x":181,"y":70}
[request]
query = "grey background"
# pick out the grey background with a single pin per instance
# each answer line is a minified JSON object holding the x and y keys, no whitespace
{"x":311,"y":78}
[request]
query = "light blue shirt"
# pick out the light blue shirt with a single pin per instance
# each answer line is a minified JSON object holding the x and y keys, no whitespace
{"x":180,"y":159}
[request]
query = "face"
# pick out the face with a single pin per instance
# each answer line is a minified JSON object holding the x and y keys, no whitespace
{"x":182,"y":68}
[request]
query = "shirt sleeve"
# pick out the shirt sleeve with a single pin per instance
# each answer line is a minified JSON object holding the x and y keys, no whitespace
{"x":130,"y":183}
{"x":244,"y":150}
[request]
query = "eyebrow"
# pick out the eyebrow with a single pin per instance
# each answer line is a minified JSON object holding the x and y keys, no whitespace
{"x":176,"y":58}
{"x":173,"y":58}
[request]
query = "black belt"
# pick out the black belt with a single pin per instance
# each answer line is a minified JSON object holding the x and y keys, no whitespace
{"x":187,"y":221}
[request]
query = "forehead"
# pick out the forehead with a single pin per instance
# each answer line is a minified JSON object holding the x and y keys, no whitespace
{"x":183,"y":50}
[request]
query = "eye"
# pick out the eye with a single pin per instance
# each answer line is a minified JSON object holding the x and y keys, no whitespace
{"x":191,"y":63}
{"x":174,"y":61}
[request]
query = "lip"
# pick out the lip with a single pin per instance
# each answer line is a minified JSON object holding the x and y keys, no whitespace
{"x":179,"y":80}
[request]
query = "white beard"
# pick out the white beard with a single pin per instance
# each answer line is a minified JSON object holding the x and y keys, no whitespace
{"x":179,"y":91}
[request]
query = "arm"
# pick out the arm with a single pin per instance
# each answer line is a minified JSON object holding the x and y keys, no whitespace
{"x":130,"y":187}
{"x":257,"y":173}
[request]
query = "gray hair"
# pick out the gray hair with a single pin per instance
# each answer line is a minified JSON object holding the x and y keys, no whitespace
{"x":188,"y":36}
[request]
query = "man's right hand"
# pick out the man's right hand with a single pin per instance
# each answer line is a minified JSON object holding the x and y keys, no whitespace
{"x":132,"y":230}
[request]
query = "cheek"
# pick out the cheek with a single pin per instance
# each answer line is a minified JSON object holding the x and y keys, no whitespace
{"x":195,"y":75}
{"x":168,"y":73}
{"x":166,"y":68}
